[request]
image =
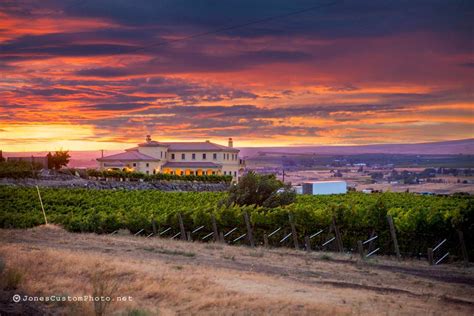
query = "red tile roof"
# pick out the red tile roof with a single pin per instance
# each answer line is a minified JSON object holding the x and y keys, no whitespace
{"x":152,"y":143}
{"x":129,"y":156}
{"x":187,"y":146}
{"x":198,"y":146}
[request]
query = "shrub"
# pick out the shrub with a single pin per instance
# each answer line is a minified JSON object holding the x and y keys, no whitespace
{"x":18,"y":169}
{"x":12,"y":278}
{"x":104,"y":284}
{"x":261,"y":190}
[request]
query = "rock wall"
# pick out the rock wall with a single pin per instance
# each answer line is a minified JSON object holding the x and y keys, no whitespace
{"x":127,"y":185}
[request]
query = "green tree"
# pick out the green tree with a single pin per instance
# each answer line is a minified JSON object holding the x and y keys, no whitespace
{"x":261,"y":190}
{"x":58,"y":159}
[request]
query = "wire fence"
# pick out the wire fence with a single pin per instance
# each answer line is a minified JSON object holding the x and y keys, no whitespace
{"x":445,"y":247}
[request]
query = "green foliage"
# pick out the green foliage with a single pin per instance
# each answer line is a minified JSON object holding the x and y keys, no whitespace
{"x":261,"y":190}
{"x":420,"y":220}
{"x":18,"y":169}
{"x":58,"y":159}
{"x":12,"y":278}
{"x":135,"y":176}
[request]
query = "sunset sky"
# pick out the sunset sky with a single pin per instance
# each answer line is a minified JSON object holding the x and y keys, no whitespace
{"x":93,"y":74}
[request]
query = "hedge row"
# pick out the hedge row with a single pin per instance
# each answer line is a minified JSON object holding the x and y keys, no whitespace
{"x":116,"y":174}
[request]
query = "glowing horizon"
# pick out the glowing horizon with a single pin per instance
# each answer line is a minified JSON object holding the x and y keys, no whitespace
{"x":83,"y":78}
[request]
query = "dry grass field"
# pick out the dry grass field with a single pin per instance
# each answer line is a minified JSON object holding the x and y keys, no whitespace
{"x":169,"y":277}
{"x":362,"y":181}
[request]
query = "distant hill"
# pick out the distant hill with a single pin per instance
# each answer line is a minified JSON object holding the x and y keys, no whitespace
{"x":87,"y":159}
{"x":454,"y":147}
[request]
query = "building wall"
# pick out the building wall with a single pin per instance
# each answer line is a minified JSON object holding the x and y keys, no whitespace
{"x":228,"y":159}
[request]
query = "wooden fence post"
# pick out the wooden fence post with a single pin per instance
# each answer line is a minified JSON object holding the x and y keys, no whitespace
{"x":214,"y":228}
{"x":338,"y":235}
{"x":293,"y":231}
{"x":181,"y":227}
{"x":188,"y":236}
{"x":360,"y":248}
{"x":249,"y":229}
{"x":221,"y":237}
{"x":393,"y":233}
{"x":265,"y":241}
{"x":463,"y":248}
{"x":153,"y":224}
{"x":430,"y":256}
{"x":307,"y":243}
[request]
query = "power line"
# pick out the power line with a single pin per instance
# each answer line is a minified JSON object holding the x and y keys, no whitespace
{"x":233,"y":27}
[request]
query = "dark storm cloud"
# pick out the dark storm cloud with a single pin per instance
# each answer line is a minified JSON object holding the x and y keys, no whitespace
{"x":151,"y":20}
{"x":106,"y":72}
{"x":333,"y":19}
{"x":119,"y":106}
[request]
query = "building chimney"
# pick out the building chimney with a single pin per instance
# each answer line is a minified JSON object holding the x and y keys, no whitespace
{"x":231,"y":143}
{"x":148,"y":138}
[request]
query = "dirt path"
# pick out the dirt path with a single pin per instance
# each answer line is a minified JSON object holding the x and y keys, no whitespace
{"x":242,"y":280}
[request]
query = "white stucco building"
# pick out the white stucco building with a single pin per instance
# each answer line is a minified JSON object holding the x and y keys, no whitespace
{"x":180,"y":158}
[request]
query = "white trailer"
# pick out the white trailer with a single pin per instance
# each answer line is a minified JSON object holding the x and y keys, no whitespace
{"x":325,"y":187}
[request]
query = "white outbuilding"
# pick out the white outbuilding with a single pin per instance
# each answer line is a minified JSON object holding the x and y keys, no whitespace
{"x":325,"y":187}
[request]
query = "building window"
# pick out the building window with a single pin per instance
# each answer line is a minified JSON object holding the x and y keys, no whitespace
{"x":134,"y":164}
{"x":225,"y":172}
{"x":147,"y":164}
{"x":204,"y":156}
{"x":183,"y":156}
{"x":214,"y":156}
{"x":194,"y":156}
{"x":235,"y":173}
{"x":161,"y":154}
{"x":172,"y":156}
{"x":147,"y":172}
